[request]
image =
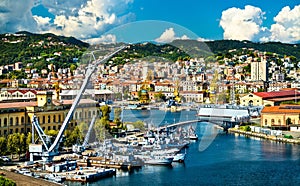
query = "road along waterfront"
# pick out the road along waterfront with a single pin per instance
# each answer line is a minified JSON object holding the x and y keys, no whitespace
{"x":216,"y":158}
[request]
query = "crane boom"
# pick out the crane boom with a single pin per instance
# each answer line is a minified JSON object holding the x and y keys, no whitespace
{"x":86,"y":139}
{"x":90,"y":69}
{"x":40,"y":132}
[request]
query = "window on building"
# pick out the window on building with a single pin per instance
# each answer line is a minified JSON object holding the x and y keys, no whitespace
{"x":54,"y":118}
{"x":44,"y":119}
{"x":17,"y":120}
{"x":90,"y":114}
{"x":5,"y":122}
{"x":22,"y":120}
{"x":22,"y":130}
{"x":11,"y":121}
{"x":54,"y":127}
{"x":59,"y":118}
{"x":272,"y":121}
{"x":49,"y":128}
{"x":49,"y":119}
{"x":266,"y":122}
{"x":0,"y":123}
{"x":76,"y":115}
{"x":17,"y":130}
{"x":279,"y":122}
{"x":10,"y":131}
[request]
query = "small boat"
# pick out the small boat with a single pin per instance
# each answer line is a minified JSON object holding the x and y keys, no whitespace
{"x":193,"y":137}
{"x":55,"y":178}
{"x":192,"y":134}
{"x":159,"y":160}
{"x":179,"y":157}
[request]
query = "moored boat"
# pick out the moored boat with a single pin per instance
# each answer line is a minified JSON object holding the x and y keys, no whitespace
{"x":159,"y":160}
{"x":179,"y":157}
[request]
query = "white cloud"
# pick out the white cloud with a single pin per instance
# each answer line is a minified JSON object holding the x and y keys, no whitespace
{"x":287,"y":25}
{"x":202,"y":39}
{"x":16,"y":16}
{"x":79,"y":18}
{"x":104,"y":39}
{"x":43,"y":22}
{"x":241,"y":24}
{"x":90,"y":19}
{"x":169,"y":35}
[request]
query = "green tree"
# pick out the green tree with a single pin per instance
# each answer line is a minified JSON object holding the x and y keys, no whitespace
{"x":83,"y":127}
{"x":139,"y":125}
{"x":159,"y":97}
{"x":52,"y":133}
{"x":105,"y":110}
{"x":22,"y":144}
{"x":28,"y":140}
{"x":6,"y":182}
{"x":3,"y":145}
{"x":100,"y":128}
{"x":73,"y":137}
{"x":117,"y":114}
{"x":12,"y":143}
{"x":73,"y":67}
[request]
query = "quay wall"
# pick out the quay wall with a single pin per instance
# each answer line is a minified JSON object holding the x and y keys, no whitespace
{"x":264,"y":136}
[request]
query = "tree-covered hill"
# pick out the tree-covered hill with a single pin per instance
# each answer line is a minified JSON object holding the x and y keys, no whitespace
{"x":40,"y":49}
{"x":44,"y":49}
{"x":204,"y":49}
{"x":144,"y":50}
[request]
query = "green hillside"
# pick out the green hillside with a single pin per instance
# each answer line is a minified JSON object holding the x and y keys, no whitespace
{"x":204,"y":49}
{"x":39,"y":49}
{"x":44,"y":49}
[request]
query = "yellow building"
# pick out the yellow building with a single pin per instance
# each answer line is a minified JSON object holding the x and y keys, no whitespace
{"x":280,"y":117}
{"x":269,"y":98}
{"x":17,"y":116}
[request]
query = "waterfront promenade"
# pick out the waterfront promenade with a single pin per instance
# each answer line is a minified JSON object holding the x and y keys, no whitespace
{"x":264,"y":136}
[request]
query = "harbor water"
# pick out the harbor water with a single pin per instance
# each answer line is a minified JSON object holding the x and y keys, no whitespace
{"x":216,"y":158}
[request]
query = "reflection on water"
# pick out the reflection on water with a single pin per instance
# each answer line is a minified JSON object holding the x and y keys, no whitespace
{"x":226,"y":159}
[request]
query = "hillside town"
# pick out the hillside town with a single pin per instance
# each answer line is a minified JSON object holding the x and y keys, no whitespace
{"x":255,"y":78}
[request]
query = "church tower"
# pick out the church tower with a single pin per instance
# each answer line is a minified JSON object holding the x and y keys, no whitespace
{"x":44,"y":98}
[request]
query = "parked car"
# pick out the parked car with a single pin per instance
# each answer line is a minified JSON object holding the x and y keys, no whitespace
{"x":5,"y":158}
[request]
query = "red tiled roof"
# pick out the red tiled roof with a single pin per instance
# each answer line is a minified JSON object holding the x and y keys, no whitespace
{"x":282,"y":109}
{"x":17,"y":105}
{"x":277,"y":94}
{"x":22,"y":91}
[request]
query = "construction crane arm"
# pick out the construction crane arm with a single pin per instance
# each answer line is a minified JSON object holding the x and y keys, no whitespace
{"x":40,"y":132}
{"x":90,"y":69}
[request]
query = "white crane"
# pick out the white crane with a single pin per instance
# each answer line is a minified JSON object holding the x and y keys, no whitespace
{"x":52,"y":149}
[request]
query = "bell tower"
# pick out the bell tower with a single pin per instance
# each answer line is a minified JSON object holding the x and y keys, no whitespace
{"x":44,"y":98}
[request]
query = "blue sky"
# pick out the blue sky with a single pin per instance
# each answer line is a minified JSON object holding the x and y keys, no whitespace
{"x":129,"y":20}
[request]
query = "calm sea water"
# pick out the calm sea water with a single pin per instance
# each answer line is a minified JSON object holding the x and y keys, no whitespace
{"x":215,"y":159}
